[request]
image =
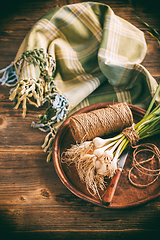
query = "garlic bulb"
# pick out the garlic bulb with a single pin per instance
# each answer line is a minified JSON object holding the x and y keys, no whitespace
{"x":102,"y":169}
{"x":108,"y":155}
{"x":99,"y":142}
{"x":112,"y":167}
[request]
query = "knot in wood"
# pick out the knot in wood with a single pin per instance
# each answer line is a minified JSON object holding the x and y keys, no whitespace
{"x":1,"y":120}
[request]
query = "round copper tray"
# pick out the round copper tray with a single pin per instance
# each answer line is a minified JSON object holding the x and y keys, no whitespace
{"x":126,"y":194}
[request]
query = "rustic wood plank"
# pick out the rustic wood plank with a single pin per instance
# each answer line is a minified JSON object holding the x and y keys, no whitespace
{"x":34,"y":204}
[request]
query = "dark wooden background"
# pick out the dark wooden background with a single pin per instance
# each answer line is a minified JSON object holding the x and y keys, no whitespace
{"x":34,"y":204}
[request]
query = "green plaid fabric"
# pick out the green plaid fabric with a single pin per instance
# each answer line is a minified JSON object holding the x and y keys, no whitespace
{"x":75,"y":56}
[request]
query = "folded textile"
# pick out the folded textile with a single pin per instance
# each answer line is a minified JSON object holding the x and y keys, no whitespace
{"x":74,"y":56}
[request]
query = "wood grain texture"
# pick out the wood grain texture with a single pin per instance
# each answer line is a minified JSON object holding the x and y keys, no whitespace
{"x":34,"y":204}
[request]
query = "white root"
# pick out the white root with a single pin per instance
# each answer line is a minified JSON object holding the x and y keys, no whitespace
{"x":94,"y":163}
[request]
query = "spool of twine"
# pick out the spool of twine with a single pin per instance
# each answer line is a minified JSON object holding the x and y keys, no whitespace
{"x":101,"y":122}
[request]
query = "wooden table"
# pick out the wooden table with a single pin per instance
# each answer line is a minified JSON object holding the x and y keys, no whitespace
{"x":34,"y":204}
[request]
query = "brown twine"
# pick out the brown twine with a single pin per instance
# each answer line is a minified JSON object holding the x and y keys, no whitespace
{"x":102,"y":121}
{"x":131,"y":134}
{"x":133,"y":138}
{"x":138,"y":165}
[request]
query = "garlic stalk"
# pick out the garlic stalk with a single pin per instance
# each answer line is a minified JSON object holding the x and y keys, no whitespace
{"x":100,"y":151}
{"x":100,"y":142}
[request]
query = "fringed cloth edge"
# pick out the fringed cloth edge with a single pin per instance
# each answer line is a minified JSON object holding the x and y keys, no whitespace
{"x":37,"y":91}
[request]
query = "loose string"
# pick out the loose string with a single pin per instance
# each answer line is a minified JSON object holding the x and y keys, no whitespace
{"x":150,"y":147}
{"x":133,"y":138}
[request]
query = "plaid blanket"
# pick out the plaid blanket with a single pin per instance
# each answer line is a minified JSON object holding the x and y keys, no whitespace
{"x":78,"y":55}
